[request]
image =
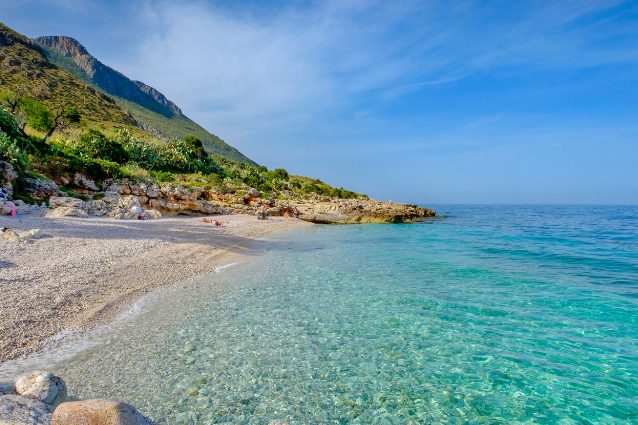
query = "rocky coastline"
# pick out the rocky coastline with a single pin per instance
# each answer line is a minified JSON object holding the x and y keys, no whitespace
{"x":125,"y":199}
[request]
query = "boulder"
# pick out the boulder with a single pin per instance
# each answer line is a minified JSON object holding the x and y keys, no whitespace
{"x":151,"y":215}
{"x":67,"y":212}
{"x":7,"y":388}
{"x":18,"y":410}
{"x":127,"y":208}
{"x":67,"y":201}
{"x":98,"y":412}
{"x":83,"y":182}
{"x":40,"y":189}
{"x":7,"y":176}
{"x":43,"y":386}
{"x":253,"y":193}
{"x":5,"y":208}
{"x":98,"y":208}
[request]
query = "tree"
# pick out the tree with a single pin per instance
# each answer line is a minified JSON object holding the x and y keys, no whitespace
{"x":196,"y":145}
{"x":37,"y":115}
{"x":63,"y":119}
{"x":11,"y":100}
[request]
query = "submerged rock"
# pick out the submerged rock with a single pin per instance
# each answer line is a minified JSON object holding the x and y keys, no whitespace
{"x":43,"y":386}
{"x":18,"y":410}
{"x":98,"y":412}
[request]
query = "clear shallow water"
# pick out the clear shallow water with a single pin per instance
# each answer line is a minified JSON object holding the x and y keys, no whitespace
{"x":494,"y":315}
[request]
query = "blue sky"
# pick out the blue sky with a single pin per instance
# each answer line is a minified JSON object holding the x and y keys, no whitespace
{"x":417,"y":101}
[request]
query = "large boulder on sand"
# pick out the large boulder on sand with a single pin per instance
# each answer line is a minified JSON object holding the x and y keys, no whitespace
{"x":98,"y":412}
{"x":18,"y":410}
{"x":43,"y":386}
{"x":66,"y":201}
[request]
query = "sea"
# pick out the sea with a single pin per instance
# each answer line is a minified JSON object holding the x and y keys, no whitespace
{"x":492,"y":315}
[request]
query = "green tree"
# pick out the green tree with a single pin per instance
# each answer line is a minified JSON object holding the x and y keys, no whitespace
{"x":62,"y":119}
{"x":38,"y":116}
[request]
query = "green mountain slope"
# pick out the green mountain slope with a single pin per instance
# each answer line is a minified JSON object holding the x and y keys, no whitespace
{"x":25,"y":69}
{"x":151,"y":109}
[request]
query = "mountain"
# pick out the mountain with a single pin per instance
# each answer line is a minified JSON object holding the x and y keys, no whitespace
{"x":59,"y":72}
{"x":25,"y":68}
{"x":152,"y":111}
{"x":106,"y":78}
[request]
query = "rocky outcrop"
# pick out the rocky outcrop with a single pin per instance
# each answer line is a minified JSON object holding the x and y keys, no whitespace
{"x":98,"y":412}
{"x":349,"y":211}
{"x":7,"y":176}
{"x":40,"y":189}
{"x":83,"y":182}
{"x":127,"y":200}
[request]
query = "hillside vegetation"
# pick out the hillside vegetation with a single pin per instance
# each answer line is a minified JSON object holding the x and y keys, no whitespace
{"x":182,"y":162}
{"x":53,"y":125}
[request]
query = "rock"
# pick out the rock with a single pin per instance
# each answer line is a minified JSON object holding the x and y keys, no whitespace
{"x":98,"y":208}
{"x":127,"y":208}
{"x":67,"y":201}
{"x":40,"y":189}
{"x":151,"y":215}
{"x":67,"y":212}
{"x":10,"y":235}
{"x":344,"y":211}
{"x":82,"y":181}
{"x":7,"y":176}
{"x":18,"y":410}
{"x":7,"y":388}
{"x":98,"y":412}
{"x":43,"y":386}
{"x":253,"y":193}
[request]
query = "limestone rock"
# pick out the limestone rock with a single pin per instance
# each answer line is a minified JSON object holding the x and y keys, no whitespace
{"x":43,"y":386}
{"x":83,"y":182}
{"x":67,"y":201}
{"x":18,"y":410}
{"x":253,"y":193}
{"x":7,"y":176}
{"x":97,"y":412}
{"x":151,"y":215}
{"x":98,"y":208}
{"x":40,"y":189}
{"x":67,"y":212}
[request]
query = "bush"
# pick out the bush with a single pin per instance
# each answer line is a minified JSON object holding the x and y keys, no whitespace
{"x":11,"y":152}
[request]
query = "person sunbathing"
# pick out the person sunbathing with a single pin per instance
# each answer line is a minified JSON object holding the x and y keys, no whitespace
{"x":210,"y":221}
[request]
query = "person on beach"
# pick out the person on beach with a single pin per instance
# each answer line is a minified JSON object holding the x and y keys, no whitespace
{"x":210,"y":221}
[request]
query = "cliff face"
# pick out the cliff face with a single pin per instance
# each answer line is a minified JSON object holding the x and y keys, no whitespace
{"x":108,"y":79}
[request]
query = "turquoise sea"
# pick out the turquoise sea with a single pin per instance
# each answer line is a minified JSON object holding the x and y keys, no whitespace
{"x":494,"y":315}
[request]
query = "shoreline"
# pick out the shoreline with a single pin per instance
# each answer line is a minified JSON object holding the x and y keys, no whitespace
{"x":81,"y":274}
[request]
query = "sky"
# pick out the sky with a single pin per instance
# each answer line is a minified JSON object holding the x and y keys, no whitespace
{"x":413,"y":101}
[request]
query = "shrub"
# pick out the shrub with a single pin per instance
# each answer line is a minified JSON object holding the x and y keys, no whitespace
{"x":11,"y":152}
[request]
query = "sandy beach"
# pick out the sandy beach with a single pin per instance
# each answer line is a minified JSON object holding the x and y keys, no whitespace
{"x":80,"y":273}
